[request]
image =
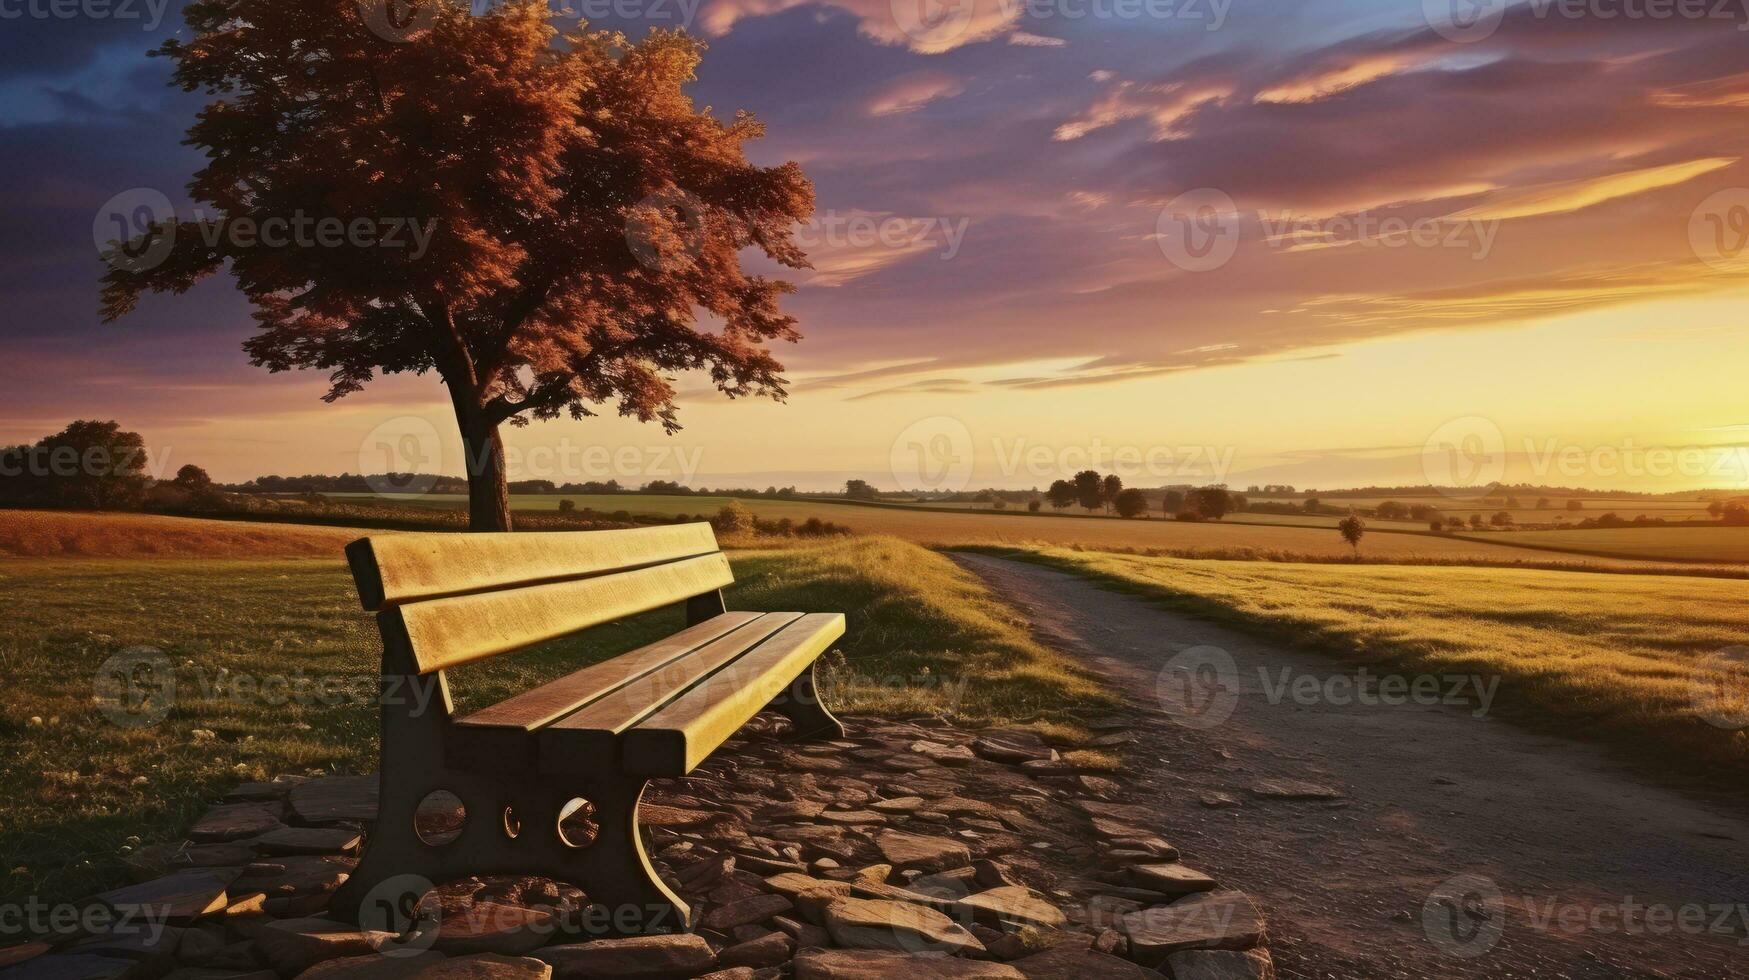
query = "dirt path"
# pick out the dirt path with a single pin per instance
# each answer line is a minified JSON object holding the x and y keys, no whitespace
{"x":1597,"y":874}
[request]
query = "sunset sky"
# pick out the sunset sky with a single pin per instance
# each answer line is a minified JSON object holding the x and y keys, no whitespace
{"x":1299,"y":239}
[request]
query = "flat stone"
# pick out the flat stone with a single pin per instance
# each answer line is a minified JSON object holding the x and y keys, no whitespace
{"x":644,"y":957}
{"x":747,"y":911}
{"x":862,"y":964}
{"x":1294,"y":789}
{"x":179,"y":897}
{"x":1014,"y":903}
{"x":1221,"y":964}
{"x":235,"y":821}
{"x":307,"y":840}
{"x":1013,"y":748}
{"x":1215,"y":799}
{"x":657,"y":815}
{"x":829,"y":840}
{"x":296,"y":874}
{"x":805,"y":934}
{"x":771,"y":949}
{"x":295,"y":945}
{"x":489,"y":966}
{"x":945,"y":755}
{"x":862,"y":923}
{"x":923,"y":853}
{"x":1170,"y":879}
{"x":798,"y":811}
{"x":852,"y":818}
{"x":156,"y":860}
{"x":492,"y":927}
{"x":1126,"y":812}
{"x":374,"y":966}
{"x":1210,"y":920}
{"x":1097,"y":785}
{"x":1068,"y":962}
{"x":901,"y":804}
{"x":335,"y":798}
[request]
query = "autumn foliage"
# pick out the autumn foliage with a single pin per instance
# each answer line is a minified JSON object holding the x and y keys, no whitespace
{"x":584,"y":215}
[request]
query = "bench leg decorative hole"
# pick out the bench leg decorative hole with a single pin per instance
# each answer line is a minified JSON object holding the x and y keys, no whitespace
{"x":440,"y":818}
{"x":512,"y":823}
{"x":576,"y":825}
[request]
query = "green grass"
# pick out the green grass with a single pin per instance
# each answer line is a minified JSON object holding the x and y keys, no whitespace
{"x":1615,"y":656}
{"x":923,"y":636}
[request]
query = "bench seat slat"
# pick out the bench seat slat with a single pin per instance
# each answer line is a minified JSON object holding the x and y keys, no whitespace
{"x":399,"y":568}
{"x":675,"y":739}
{"x":577,"y":741}
{"x":444,"y":633}
{"x":553,"y":700}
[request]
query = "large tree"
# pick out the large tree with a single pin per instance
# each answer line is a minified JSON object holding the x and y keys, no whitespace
{"x":582,"y":214}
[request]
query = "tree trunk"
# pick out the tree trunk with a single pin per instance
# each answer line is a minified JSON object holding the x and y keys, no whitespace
{"x":483,"y":455}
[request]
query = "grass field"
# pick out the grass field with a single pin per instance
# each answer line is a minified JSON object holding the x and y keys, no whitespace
{"x":952,"y":528}
{"x":1614,"y":656}
{"x":923,"y":637}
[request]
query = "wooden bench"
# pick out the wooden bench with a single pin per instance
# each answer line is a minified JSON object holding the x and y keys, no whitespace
{"x":598,"y":735}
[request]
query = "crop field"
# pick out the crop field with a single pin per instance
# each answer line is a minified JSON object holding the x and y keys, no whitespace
{"x":1619,"y":656}
{"x":42,"y":533}
{"x":1706,"y":544}
{"x":951,"y":527}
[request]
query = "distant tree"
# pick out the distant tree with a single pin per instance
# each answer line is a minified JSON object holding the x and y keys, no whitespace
{"x":1351,"y":529}
{"x":1512,"y":503}
{"x":1575,"y":504}
{"x":1478,"y":521}
{"x":1131,"y":503}
{"x":1210,"y":502}
{"x":1312,"y":505}
{"x":1173,"y":503}
{"x":1735,"y":514}
{"x":567,"y":505}
{"x":87,"y":465}
{"x":1715,"y":508}
{"x":999,"y":504}
{"x":860,"y":490}
{"x":1390,"y":510}
{"x":1089,"y":490}
{"x":1544,"y":503}
{"x":1061,"y":494}
{"x":192,"y":478}
{"x":1501,"y":519}
{"x":1032,"y":506}
{"x":523,"y":163}
{"x":1109,"y":489}
{"x":1436,"y":525}
{"x":1454,"y":522}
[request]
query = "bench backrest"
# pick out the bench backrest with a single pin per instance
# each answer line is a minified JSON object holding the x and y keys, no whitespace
{"x":446,"y":599}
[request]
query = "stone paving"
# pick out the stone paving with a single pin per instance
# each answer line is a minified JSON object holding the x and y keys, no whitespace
{"x":909,"y":849}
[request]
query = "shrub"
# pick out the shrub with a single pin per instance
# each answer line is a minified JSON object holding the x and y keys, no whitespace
{"x":733,"y":518}
{"x":567,"y":505}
